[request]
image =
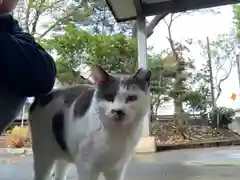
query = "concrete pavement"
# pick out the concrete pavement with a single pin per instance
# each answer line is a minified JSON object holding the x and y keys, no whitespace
{"x":197,"y":164}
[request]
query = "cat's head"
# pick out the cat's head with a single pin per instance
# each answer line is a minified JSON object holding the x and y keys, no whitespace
{"x":121,"y":100}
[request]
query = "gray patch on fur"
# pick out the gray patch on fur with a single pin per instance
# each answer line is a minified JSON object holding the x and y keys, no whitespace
{"x":69,"y":94}
{"x":109,"y":88}
{"x":127,"y":81}
{"x":41,"y":101}
{"x":83,"y":103}
{"x":141,"y":79}
{"x":72,"y":93}
{"x":133,"y":83}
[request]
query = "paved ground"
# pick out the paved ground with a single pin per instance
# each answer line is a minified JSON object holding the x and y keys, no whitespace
{"x":198,"y":164}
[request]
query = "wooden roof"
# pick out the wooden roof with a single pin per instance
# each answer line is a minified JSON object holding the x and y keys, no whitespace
{"x":124,"y":10}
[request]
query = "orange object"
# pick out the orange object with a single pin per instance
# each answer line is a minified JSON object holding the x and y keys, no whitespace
{"x":233,"y":97}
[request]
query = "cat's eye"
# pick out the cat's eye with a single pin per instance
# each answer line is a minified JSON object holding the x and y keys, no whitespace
{"x":131,"y":98}
{"x":109,"y":97}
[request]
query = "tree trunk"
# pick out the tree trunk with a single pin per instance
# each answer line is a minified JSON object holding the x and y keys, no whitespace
{"x":180,"y":119}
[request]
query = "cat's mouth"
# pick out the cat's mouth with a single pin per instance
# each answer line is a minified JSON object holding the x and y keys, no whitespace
{"x":120,"y":121}
{"x":123,"y":123}
{"x":117,"y":119}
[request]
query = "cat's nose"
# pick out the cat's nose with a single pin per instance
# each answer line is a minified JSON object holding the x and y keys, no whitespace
{"x":118,"y":113}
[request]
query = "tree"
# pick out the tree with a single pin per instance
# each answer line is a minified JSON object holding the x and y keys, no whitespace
{"x":236,"y":13}
{"x":179,"y":73}
{"x":74,"y":47}
{"x":102,"y":21}
{"x":225,"y":116}
{"x":93,"y":16}
{"x":223,"y":59}
{"x":60,"y":12}
{"x":116,"y":53}
{"x":160,"y":85}
{"x":200,"y":99}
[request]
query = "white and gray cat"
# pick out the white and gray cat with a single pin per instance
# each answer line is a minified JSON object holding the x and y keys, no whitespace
{"x":94,"y":127}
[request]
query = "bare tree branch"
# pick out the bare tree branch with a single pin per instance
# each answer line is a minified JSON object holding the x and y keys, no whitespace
{"x":26,"y":21}
{"x":59,"y":21}
{"x":220,"y":68}
{"x":154,"y":22}
{"x":37,"y":16}
{"x":177,"y":16}
{"x":166,"y":23}
{"x":226,"y":54}
{"x":150,"y":28}
{"x":219,"y":88}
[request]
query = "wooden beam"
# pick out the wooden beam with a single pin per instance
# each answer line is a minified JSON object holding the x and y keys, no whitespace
{"x":182,"y":5}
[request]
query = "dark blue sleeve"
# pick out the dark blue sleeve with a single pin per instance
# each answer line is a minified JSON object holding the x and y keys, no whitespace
{"x":26,"y":68}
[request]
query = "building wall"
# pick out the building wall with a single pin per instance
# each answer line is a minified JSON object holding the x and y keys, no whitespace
{"x":192,"y":120}
{"x":235,"y":125}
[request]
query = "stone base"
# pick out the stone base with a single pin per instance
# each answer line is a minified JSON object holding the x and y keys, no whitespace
{"x":146,"y":145}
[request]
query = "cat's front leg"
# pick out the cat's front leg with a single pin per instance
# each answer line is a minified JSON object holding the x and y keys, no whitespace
{"x":86,"y":169}
{"x":61,"y":170}
{"x":115,"y":174}
{"x":86,"y":172}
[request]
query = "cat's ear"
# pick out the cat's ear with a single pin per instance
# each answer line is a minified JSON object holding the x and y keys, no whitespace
{"x":143,"y":75}
{"x":100,"y":76}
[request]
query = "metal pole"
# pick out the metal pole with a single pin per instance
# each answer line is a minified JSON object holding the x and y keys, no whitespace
{"x":211,"y":79}
{"x":238,"y":67}
{"x":23,"y":112}
{"x":143,"y":63}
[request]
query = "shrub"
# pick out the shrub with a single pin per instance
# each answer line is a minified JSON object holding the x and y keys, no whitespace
{"x":18,"y":137}
{"x":225,"y":116}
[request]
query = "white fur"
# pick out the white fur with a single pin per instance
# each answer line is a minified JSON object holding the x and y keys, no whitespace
{"x":96,"y":144}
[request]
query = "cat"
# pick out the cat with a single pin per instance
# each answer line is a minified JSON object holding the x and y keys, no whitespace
{"x":94,"y":127}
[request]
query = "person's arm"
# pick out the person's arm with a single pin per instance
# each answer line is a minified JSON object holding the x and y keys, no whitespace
{"x":26,"y":68}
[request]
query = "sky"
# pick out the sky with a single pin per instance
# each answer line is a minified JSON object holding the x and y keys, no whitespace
{"x":198,"y":26}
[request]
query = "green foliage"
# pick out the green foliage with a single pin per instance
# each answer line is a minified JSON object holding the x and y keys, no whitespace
{"x":94,"y":16}
{"x":195,"y":100}
{"x":58,"y":12}
{"x":236,"y":12}
{"x":200,"y":99}
{"x":102,"y":21}
{"x":178,"y":68}
{"x":116,"y":53}
{"x":66,"y":73}
{"x":160,"y":85}
{"x":224,"y":115}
